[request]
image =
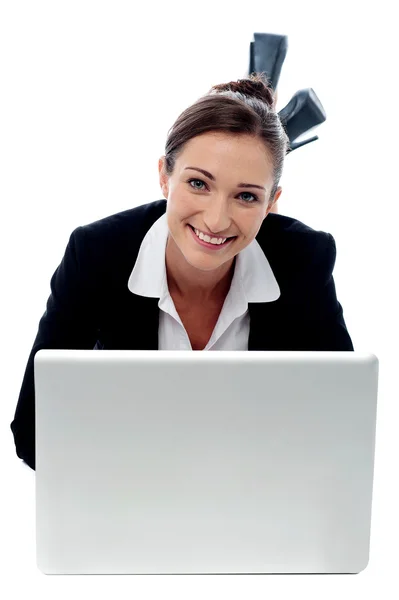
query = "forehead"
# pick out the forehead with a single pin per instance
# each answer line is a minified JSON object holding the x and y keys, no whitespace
{"x":219,"y":150}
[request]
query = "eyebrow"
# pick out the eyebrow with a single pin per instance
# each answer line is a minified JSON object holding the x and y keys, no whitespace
{"x":240,"y":185}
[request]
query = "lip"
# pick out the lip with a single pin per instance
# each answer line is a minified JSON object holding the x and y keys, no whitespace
{"x":214,"y":247}
{"x":206,"y":233}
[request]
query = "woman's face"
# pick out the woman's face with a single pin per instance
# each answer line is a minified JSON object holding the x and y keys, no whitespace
{"x":215,"y":203}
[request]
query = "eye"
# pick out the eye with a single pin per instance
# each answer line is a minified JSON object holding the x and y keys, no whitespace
{"x":200,"y":189}
{"x":253,"y":196}
{"x":200,"y":180}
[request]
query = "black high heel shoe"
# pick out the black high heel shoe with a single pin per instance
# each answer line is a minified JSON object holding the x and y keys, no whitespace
{"x":303,"y":112}
{"x":267,"y":54}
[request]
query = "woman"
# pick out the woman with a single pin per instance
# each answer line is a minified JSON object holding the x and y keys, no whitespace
{"x":204,"y":269}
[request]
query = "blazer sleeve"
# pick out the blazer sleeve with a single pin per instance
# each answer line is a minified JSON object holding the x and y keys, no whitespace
{"x":324,"y":321}
{"x":68,"y":323}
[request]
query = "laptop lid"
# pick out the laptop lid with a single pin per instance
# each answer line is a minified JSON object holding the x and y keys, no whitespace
{"x":204,"y":462}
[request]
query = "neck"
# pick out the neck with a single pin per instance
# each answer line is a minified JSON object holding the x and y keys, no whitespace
{"x":193,"y":285}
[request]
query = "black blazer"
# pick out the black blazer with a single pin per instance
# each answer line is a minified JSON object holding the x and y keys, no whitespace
{"x":91,"y":307}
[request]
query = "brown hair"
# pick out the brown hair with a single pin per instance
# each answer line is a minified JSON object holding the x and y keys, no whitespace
{"x":245,"y":106}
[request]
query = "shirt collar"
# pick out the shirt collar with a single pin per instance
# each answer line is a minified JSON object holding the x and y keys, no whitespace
{"x":252,"y":270}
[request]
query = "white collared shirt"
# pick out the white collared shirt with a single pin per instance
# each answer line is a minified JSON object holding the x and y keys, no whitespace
{"x":253,"y":281}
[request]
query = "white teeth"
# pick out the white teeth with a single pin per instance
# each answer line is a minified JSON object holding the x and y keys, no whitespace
{"x":206,"y":238}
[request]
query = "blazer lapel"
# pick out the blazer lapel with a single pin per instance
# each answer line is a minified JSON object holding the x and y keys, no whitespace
{"x":131,"y":324}
{"x":135,"y":323}
{"x":142,"y":332}
{"x":264,"y":333}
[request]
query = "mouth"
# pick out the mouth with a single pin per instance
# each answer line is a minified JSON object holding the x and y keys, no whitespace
{"x":209,"y":244}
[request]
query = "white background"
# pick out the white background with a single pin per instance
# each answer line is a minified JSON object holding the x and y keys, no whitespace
{"x":88,"y":93}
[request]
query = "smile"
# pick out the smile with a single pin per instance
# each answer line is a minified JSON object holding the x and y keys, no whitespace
{"x":208,"y":242}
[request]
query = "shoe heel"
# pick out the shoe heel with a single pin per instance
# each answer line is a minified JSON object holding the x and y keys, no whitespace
{"x":303,"y":112}
{"x":296,"y":145}
{"x":267,"y":54}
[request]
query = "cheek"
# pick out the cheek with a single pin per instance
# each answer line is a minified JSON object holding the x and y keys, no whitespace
{"x":249,"y":225}
{"x":182,"y":204}
{"x":177,"y":217}
{"x":250,"y":228}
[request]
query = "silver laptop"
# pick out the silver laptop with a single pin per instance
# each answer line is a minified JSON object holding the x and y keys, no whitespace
{"x":204,"y":462}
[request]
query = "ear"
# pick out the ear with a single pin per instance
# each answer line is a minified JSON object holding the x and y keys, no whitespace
{"x":276,"y":197}
{"x":163,"y":178}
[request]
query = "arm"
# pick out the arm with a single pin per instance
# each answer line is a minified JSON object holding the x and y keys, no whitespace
{"x":68,"y":323}
{"x":324,"y":321}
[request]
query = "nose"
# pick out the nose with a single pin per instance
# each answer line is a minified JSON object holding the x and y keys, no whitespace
{"x":216,"y":216}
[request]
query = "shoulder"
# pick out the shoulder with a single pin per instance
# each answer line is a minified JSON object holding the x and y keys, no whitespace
{"x":294,"y":247}
{"x":137,"y":219}
{"x":120,"y":232}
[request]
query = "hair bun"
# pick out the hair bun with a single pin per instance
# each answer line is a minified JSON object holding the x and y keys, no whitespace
{"x":256,"y":85}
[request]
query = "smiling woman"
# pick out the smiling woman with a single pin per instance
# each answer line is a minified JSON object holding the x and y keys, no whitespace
{"x":209,"y":267}
{"x":217,"y":207}
{"x":235,"y":140}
